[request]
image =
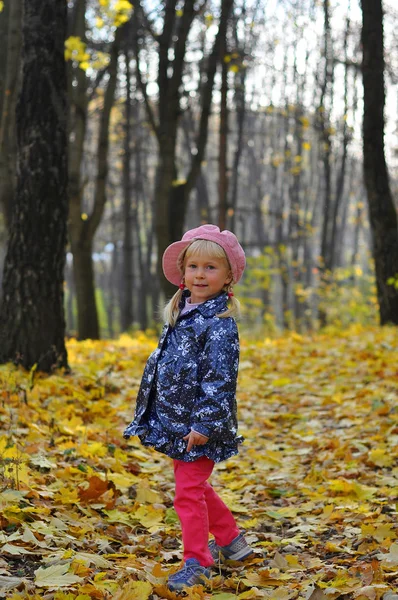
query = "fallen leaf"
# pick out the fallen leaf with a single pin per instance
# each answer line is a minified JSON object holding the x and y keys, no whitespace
{"x":134,"y":590}
{"x":15,"y":550}
{"x":55,"y":576}
{"x":391,"y":558}
{"x":8,"y":583}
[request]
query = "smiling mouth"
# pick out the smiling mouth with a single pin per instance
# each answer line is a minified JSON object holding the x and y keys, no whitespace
{"x":200,"y":285}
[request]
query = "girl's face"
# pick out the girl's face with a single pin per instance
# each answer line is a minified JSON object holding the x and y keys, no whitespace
{"x":205,"y":276}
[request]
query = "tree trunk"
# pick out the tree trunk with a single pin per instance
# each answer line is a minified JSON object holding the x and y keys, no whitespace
{"x":126,"y":316}
{"x":240,"y":103}
{"x":81,"y":231}
{"x":8,"y":146}
{"x":326,"y":153}
{"x":382,"y":212}
{"x":32,"y":324}
{"x":223,"y":135}
{"x":87,"y":318}
{"x":70,"y":301}
{"x":339,"y":197}
{"x":142,"y":214}
{"x":240,"y":108}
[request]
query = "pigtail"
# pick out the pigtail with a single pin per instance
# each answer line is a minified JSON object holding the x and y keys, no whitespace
{"x":235,"y":310}
{"x":234,"y":306}
{"x":172,"y":308}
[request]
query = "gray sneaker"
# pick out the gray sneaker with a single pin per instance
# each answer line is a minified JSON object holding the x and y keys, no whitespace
{"x":238,"y":549}
{"x":191,"y":574}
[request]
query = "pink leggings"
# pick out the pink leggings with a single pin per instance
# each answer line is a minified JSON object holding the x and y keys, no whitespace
{"x":201,"y":510}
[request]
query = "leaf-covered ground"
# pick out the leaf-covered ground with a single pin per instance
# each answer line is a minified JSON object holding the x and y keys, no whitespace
{"x":85,"y":515}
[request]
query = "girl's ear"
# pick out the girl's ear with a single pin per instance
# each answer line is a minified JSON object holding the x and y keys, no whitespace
{"x":229,"y":279}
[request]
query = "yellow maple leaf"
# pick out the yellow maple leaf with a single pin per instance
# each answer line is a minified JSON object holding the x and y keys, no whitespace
{"x":72,"y":425}
{"x":93,"y":449}
{"x":250,"y":523}
{"x":327,"y":511}
{"x":134,"y":590}
{"x":331,"y":547}
{"x":149,"y":517}
{"x":67,"y":496}
{"x":352,"y":488}
{"x":252,"y":593}
{"x":381,"y":458}
{"x":117,"y":516}
{"x":145,"y":494}
{"x":379,"y":532}
{"x":123,"y":480}
{"x":293,"y":561}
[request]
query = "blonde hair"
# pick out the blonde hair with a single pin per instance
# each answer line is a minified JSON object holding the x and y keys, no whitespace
{"x":200,"y":248}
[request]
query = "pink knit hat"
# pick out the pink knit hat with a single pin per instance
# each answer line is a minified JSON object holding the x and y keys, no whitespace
{"x":226,"y":239}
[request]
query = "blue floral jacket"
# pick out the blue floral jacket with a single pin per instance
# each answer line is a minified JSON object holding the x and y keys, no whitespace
{"x":190,"y":382}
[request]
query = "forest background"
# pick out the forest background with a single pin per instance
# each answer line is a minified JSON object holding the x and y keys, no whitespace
{"x":245,"y":114}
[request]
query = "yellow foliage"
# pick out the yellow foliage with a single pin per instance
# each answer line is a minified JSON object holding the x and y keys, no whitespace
{"x":295,"y":170}
{"x":123,"y":6}
{"x":277,"y":160}
{"x":134,"y":590}
{"x":381,"y":458}
{"x":84,"y":65}
{"x":75,"y":49}
{"x":305,"y":122}
{"x":313,"y":488}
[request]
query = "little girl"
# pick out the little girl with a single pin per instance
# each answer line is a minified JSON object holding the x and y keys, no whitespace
{"x":186,"y":406}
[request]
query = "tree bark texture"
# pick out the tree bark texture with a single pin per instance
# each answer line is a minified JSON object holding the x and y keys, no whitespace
{"x":223,"y":138}
{"x":32,"y":324}
{"x":126,"y":309}
{"x":382,"y":212}
{"x":326,"y":143}
{"x":9,"y":91}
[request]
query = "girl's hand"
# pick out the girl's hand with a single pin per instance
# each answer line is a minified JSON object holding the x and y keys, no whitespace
{"x":195,"y":439}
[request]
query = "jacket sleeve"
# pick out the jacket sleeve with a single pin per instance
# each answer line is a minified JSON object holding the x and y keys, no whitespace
{"x":214,"y":414}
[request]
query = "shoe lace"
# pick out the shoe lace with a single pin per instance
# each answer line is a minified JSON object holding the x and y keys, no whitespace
{"x":188,"y":570}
